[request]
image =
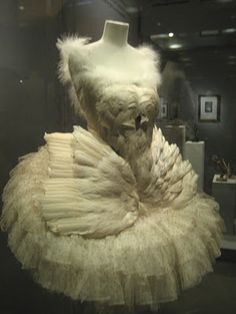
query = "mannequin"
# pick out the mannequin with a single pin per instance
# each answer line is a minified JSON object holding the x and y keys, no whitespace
{"x":111,"y":214}
{"x":115,"y":33}
{"x":113,"y":49}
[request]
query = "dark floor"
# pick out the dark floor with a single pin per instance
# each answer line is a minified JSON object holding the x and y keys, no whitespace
{"x":20,"y":295}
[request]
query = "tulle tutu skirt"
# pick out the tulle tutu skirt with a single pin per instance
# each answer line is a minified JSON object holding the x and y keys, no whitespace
{"x":146,"y":264}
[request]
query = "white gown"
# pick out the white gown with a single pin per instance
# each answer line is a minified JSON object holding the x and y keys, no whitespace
{"x":111,"y":215}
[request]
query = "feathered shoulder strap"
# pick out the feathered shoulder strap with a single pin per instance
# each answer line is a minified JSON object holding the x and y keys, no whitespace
{"x":69,"y":47}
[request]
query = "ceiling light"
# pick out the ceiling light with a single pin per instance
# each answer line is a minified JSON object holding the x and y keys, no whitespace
{"x":229,"y":31}
{"x":171,"y":34}
{"x":21,"y":8}
{"x":157,"y":36}
{"x":21,"y":81}
{"x":232,"y":57}
{"x":175,"y":46}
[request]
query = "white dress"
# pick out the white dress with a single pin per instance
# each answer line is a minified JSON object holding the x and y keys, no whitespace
{"x":112,"y":214}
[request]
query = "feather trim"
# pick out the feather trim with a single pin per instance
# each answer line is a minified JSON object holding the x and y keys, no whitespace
{"x":66,"y":46}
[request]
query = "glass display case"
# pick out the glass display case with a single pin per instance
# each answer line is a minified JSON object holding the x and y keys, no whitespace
{"x":123,"y":127}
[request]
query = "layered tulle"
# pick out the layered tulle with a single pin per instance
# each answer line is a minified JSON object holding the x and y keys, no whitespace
{"x":147,"y":263}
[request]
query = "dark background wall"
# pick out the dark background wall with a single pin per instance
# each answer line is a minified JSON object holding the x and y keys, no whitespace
{"x":205,"y":74}
{"x":202,"y":65}
{"x":209,"y":75}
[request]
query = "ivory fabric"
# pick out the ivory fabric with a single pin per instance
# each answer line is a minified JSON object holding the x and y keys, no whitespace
{"x":111,"y":214}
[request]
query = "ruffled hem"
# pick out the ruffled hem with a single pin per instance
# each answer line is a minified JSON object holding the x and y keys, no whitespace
{"x":149,"y":263}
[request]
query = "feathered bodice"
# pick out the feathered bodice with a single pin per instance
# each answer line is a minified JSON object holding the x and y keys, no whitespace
{"x":92,"y":191}
{"x":119,"y":101}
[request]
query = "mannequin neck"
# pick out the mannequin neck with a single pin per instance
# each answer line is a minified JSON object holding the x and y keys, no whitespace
{"x":115,"y":33}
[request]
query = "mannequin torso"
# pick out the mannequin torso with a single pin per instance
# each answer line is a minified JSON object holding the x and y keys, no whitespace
{"x":112,"y":50}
